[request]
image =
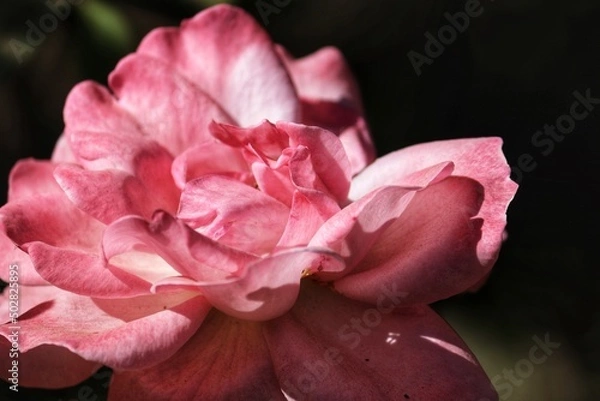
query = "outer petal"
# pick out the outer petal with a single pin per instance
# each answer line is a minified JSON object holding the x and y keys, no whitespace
{"x":227,"y":359}
{"x":323,"y":75}
{"x":169,"y":108}
{"x":230,"y":57}
{"x":331,"y":99}
{"x":30,"y":177}
{"x":353,"y":230}
{"x":346,"y":350}
{"x":430,"y":251}
{"x":127,"y":334}
{"x":479,"y":159}
{"x":110,"y":194}
{"x":48,"y":366}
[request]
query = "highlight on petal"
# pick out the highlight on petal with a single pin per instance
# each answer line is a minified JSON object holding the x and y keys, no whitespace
{"x":125,"y":334}
{"x":231,"y":58}
{"x":227,"y":359}
{"x":479,"y":159}
{"x":233,"y":213}
{"x":370,"y":352}
{"x":182,"y":250}
{"x":430,"y":251}
{"x":169,"y":108}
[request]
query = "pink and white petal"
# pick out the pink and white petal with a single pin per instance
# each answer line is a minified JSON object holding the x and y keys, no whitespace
{"x":169,"y":108}
{"x":28,"y":298}
{"x":347,"y":124}
{"x":189,"y":253}
{"x":84,"y":273}
{"x":10,"y":255}
{"x":430,"y":251}
{"x":52,"y":219}
{"x":309,"y":211}
{"x":230,"y":57}
{"x":30,"y":177}
{"x":353,"y":230}
{"x":108,"y":195}
{"x":210,"y":157}
{"x":233,"y":213}
{"x":274,"y":181}
{"x":129,"y":333}
{"x":62,"y":152}
{"x":227,"y":359}
{"x":264,"y":139}
{"x":91,"y":107}
{"x":48,"y":366}
{"x":329,"y":159}
{"x":323,"y":75}
{"x":347,"y":350}
{"x":269,"y":287}
{"x":480,"y":159}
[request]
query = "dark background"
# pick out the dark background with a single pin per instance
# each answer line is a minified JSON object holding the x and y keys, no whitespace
{"x":514,"y":69}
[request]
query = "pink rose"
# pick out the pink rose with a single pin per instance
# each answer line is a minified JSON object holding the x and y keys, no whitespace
{"x":215,"y":226}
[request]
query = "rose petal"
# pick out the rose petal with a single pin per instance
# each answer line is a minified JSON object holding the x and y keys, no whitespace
{"x":48,"y":366}
{"x":479,"y":159}
{"x":127,"y":334}
{"x":233,"y":213}
{"x":189,"y":253}
{"x":110,"y":194}
{"x":346,"y":350}
{"x":169,"y":108}
{"x":84,"y":273}
{"x":231,"y":58}
{"x":28,"y":298}
{"x":227,"y":359}
{"x":265,"y":289}
{"x":323,"y":75}
{"x":328,"y":157}
{"x":430,"y":251}
{"x":210,"y":157}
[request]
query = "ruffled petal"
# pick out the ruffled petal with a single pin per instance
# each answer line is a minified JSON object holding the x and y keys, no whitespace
{"x":47,"y":366}
{"x":233,"y":213}
{"x":30,"y":177}
{"x":323,"y":75}
{"x":346,"y":350}
{"x":430,"y":251}
{"x":28,"y":298}
{"x":185,"y":251}
{"x":110,"y":194}
{"x":232,"y":59}
{"x":169,"y":108}
{"x":265,"y":289}
{"x":478,"y":159}
{"x":125,"y":334}
{"x":85,"y":273}
{"x":329,"y":160}
{"x":210,"y":157}
{"x":227,"y":359}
